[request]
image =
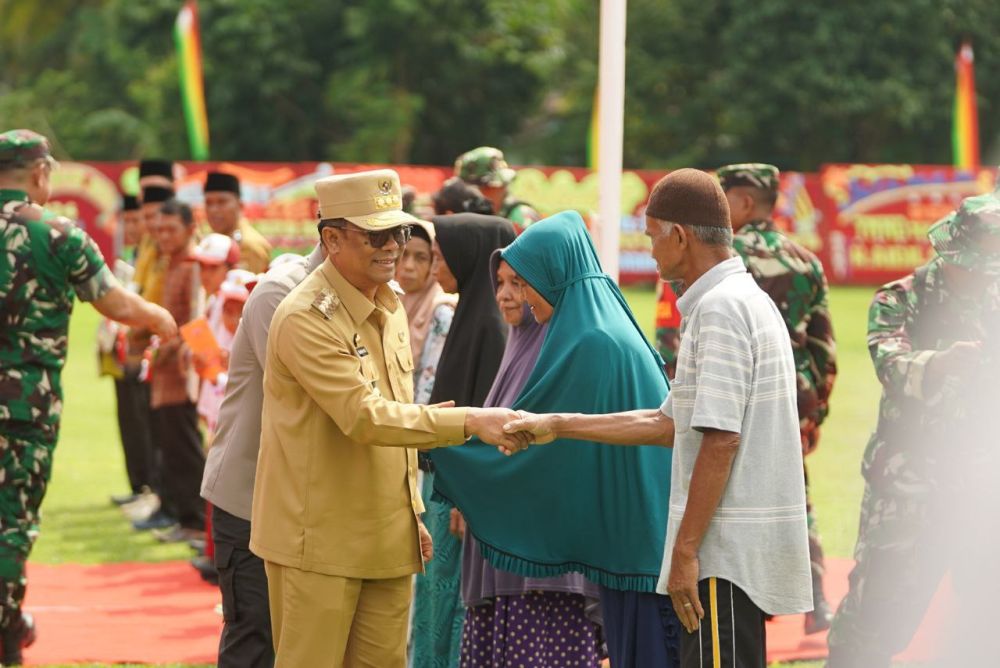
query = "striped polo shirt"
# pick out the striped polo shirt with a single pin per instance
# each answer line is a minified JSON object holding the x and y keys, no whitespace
{"x":735,"y":373}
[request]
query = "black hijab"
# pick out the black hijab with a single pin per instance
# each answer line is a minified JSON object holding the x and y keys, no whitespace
{"x":478,"y":334}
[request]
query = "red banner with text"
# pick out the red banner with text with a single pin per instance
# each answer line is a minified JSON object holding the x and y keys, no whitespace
{"x":867,"y":223}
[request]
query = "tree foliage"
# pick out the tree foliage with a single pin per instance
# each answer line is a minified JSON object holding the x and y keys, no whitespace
{"x":795,"y":82}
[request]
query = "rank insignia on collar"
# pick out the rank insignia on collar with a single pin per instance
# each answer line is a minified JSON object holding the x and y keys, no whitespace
{"x":326,"y":303}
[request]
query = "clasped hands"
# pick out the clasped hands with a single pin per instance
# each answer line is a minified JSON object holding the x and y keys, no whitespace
{"x":511,"y":431}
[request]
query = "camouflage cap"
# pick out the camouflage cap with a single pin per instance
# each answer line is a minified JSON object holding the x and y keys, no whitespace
{"x":19,"y":148}
{"x":969,"y":237}
{"x":753,"y":174}
{"x":484,"y":166}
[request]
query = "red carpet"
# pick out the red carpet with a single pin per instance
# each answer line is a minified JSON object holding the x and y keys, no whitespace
{"x":164,"y":613}
{"x":786,"y":642}
{"x":122,"y":613}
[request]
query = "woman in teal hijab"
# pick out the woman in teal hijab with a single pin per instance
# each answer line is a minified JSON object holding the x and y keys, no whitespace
{"x":576,"y":506}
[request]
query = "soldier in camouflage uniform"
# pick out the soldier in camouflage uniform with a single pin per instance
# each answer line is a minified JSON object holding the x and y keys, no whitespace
{"x":45,"y":261}
{"x":930,"y":467}
{"x":668,"y":324}
{"x":485,"y":168}
{"x":793,"y":277}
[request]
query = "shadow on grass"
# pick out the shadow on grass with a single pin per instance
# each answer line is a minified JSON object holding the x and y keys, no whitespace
{"x":95,"y":533}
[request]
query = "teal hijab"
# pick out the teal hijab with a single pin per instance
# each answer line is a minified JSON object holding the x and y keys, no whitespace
{"x":571,"y":505}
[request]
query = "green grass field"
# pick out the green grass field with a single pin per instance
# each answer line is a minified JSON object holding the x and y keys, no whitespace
{"x":81,"y":526}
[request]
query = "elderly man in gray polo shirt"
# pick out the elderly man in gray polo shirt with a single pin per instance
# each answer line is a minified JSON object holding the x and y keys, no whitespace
{"x":736,"y":539}
{"x":230,"y":469}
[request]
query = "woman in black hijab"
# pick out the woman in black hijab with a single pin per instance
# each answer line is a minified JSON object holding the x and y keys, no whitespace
{"x":478,"y":334}
{"x":469,"y":362}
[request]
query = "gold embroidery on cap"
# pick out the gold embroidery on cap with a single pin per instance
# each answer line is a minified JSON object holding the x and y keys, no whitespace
{"x":388,"y":202}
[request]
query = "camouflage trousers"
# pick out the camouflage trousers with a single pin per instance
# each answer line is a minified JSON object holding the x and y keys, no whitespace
{"x":25,"y":468}
{"x":911,"y":534}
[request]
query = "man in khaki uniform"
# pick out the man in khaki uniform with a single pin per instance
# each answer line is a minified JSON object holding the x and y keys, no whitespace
{"x":336,"y":504}
{"x":224,"y":210}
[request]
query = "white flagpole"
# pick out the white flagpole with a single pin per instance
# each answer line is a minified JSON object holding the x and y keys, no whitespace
{"x":611,"y":129}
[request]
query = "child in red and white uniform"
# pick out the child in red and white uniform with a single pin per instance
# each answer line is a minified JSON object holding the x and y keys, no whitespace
{"x":224,"y":313}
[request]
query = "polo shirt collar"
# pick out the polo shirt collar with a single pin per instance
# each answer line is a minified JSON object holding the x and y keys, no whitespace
{"x":314,"y":259}
{"x":707,"y":281}
{"x":359,"y":307}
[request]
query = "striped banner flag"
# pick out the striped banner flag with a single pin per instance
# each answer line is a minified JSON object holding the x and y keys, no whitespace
{"x":593,"y":132}
{"x":965,"y":119}
{"x":187,"y":37}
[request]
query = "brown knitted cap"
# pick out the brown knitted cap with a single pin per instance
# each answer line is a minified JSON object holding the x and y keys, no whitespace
{"x":689,"y":197}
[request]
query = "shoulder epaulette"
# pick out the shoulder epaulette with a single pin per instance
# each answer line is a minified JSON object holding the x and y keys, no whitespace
{"x":326,"y":303}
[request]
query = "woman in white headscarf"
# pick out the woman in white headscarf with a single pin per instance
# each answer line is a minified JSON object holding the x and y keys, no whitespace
{"x":428,"y":308}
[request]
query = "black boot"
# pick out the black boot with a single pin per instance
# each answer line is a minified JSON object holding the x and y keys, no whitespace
{"x":18,"y":635}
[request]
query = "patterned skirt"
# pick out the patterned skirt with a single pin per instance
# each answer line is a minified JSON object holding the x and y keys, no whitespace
{"x":436,"y":633}
{"x":535,"y":630}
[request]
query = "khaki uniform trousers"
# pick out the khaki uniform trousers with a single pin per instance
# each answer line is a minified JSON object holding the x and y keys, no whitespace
{"x":324,"y":620}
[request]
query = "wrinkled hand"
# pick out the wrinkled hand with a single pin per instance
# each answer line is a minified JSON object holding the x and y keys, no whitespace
{"x":488,"y":423}
{"x":162,"y":323}
{"x":538,"y":428}
{"x":456,"y":524}
{"x":682,"y":586}
{"x":426,"y":542}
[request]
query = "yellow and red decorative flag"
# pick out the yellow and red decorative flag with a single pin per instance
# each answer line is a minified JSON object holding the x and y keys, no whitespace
{"x":187,"y":37}
{"x":594,"y":134}
{"x":965,"y":121}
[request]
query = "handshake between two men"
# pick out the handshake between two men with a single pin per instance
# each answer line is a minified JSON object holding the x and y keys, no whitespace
{"x":512,"y":431}
{"x":509,"y":430}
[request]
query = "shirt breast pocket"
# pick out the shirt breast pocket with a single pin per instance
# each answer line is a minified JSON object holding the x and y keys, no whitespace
{"x":401,"y":374}
{"x":404,"y":358}
{"x":683,"y":407}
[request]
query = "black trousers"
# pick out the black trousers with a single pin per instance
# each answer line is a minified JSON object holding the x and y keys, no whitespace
{"x":641,"y":629}
{"x":731,"y":634}
{"x":246,"y":634}
{"x":176,"y":436}
{"x":134,"y":426}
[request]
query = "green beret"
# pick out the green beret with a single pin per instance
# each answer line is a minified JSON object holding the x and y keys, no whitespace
{"x":957,"y":237}
{"x":753,"y":174}
{"x":484,"y":166}
{"x":19,"y":148}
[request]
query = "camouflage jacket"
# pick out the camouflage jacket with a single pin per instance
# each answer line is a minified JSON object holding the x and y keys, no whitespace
{"x":921,"y":419}
{"x":519,"y":213}
{"x":46,"y":260}
{"x":668,"y":324}
{"x":794,"y":279}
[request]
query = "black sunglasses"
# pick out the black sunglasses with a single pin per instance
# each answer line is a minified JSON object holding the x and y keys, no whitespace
{"x":378,"y":239}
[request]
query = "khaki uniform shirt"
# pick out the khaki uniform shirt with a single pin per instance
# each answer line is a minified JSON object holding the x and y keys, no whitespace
{"x":255,"y":251}
{"x":336,"y":489}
